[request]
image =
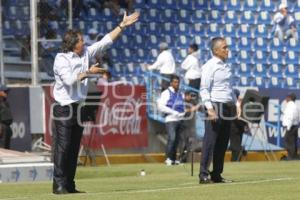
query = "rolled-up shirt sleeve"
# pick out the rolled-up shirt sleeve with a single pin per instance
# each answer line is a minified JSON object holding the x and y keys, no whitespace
{"x":100,"y":46}
{"x":63,"y":69}
{"x":158,"y":63}
{"x":206,"y":83}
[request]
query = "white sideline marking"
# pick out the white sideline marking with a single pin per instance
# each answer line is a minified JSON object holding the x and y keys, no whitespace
{"x":170,"y":188}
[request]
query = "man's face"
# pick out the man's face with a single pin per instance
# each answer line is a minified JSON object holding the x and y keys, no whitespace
{"x":175,"y":84}
{"x":79,"y":45}
{"x":222,"y":50}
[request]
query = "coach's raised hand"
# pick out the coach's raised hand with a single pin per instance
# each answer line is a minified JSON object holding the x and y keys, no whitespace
{"x":127,"y":21}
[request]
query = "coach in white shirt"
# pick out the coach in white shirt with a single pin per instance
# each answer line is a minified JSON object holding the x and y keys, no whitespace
{"x":165,"y":63}
{"x":290,"y":122}
{"x":219,"y":99}
{"x":192,"y":66}
{"x":71,"y":70}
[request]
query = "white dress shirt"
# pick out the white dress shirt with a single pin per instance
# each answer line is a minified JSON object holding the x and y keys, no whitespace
{"x":165,"y":63}
{"x":290,"y":115}
{"x":192,"y":66}
{"x":216,"y":83}
{"x":67,"y":66}
{"x":172,"y":115}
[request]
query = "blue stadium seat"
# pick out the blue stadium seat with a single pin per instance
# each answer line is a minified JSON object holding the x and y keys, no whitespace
{"x":260,"y":57}
{"x":152,"y":42}
{"x":231,"y":43}
{"x":248,"y":18}
{"x":260,"y":70}
{"x":234,"y":5}
{"x":231,"y":17}
{"x":185,"y":16}
{"x":155,"y":4}
{"x":169,"y":15}
{"x":260,"y":44}
{"x":275,"y":57}
{"x":292,"y":45}
{"x":245,"y":44}
{"x":153,"y":15}
{"x":168,"y":4}
{"x":264,"y":18}
{"x":183,"y":42}
{"x":276,"y":44}
{"x":218,"y":5}
{"x":154,"y":29}
{"x":275,"y":70}
{"x":251,"y":5}
{"x":169,"y":29}
{"x":268,"y":5}
{"x":7,"y":29}
{"x":183,"y":29}
{"x":199,"y":29}
{"x":215,"y":16}
{"x":232,"y":58}
{"x":297,"y":6}
{"x":138,"y":41}
{"x":229,"y":30}
{"x":292,"y":71}
{"x":291,"y":82}
{"x":244,"y":81}
{"x":245,"y":31}
{"x":186,"y":4}
{"x":139,"y":4}
{"x":138,"y":28}
{"x":245,"y":69}
{"x":214,"y":30}
{"x":199,"y":17}
{"x":244,"y":57}
{"x":291,"y":58}
{"x":262,"y":31}
{"x":201,"y":5}
{"x":259,"y":81}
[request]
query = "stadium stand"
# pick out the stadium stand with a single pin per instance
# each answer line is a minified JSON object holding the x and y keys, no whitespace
{"x":246,"y":24}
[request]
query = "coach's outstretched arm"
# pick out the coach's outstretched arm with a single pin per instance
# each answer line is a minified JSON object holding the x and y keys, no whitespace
{"x":127,"y":21}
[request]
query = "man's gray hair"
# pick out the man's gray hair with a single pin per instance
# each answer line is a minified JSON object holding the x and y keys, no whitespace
{"x":215,"y":42}
{"x":163,"y":46}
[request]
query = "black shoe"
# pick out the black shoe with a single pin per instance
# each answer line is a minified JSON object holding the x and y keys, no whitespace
{"x":204,"y":180}
{"x":60,"y":190}
{"x":75,"y":191}
{"x":221,"y":180}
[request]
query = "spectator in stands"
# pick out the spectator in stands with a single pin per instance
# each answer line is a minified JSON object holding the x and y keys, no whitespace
{"x":117,"y":5}
{"x":219,"y":100}
{"x":172,"y":104}
{"x":238,"y":127}
{"x":72,"y":67}
{"x":5,"y":119}
{"x":91,"y":38}
{"x":192,"y":66}
{"x":165,"y":62}
{"x":290,"y":122}
{"x":285,"y":24}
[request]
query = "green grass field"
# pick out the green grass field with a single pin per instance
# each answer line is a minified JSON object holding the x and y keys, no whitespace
{"x":252,"y":180}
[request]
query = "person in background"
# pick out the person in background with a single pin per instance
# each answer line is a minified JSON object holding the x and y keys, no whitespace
{"x":192,"y":66}
{"x":172,"y":104}
{"x":290,"y":122}
{"x":72,"y":68}
{"x":285,"y":24}
{"x":165,"y":63}
{"x":6,"y":119}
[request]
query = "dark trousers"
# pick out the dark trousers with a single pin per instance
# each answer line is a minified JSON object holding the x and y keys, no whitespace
{"x":216,"y":140}
{"x":291,"y":142}
{"x":236,"y":137}
{"x":174,"y":131}
{"x":67,"y":136}
{"x":195,"y":83}
{"x":6,"y":135}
